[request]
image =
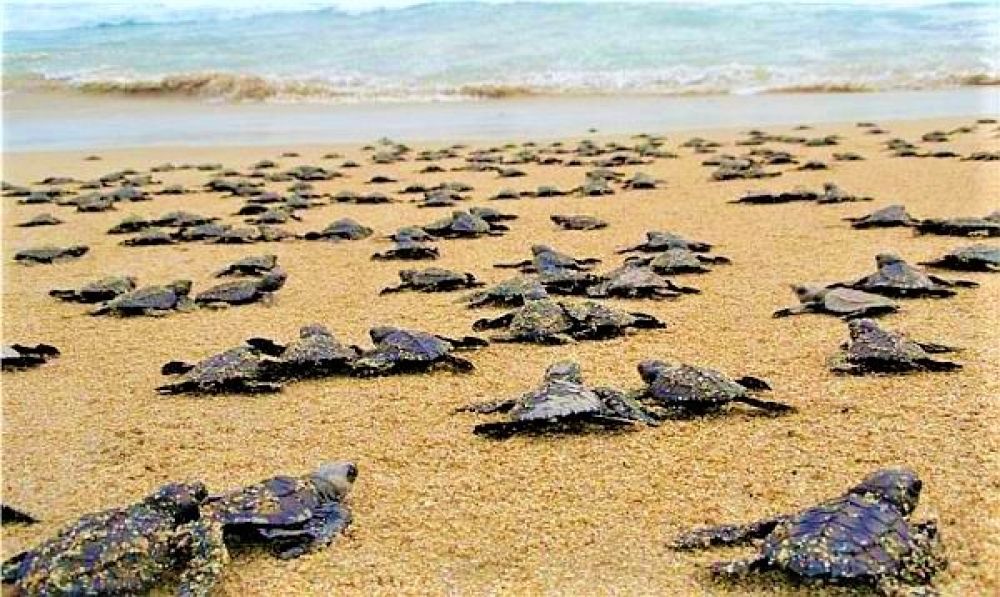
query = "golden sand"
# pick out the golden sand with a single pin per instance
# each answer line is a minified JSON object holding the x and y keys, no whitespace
{"x":438,"y":510}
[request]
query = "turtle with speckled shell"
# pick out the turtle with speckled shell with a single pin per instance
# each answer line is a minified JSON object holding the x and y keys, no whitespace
{"x":632,"y":281}
{"x":687,"y":390}
{"x":343,"y":229}
{"x":413,"y":234}
{"x":244,"y":292}
{"x":316,"y":353}
{"x":237,"y":370}
{"x":149,"y":301}
{"x":294,"y":515}
{"x":408,"y":251}
{"x":50,"y":254}
{"x":97,"y":291}
{"x":862,"y":538}
{"x":542,"y":320}
{"x":897,"y":278}
{"x":658,"y":241}
{"x":128,"y":551}
{"x":253,"y":265}
{"x":578,"y":222}
{"x":561,"y":403}
{"x":462,"y":224}
{"x":509,"y":293}
{"x":399,"y":350}
{"x":973,"y":258}
{"x":983,"y":227}
{"x":872,"y":349}
{"x":846,"y":303}
{"x":22,"y":356}
{"x":433,"y":279}
{"x":678,"y":261}
{"x":149,"y":237}
{"x":891,"y":216}
{"x":545,"y":259}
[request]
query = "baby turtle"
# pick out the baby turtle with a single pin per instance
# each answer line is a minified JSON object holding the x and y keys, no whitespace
{"x":578,"y":222}
{"x":896,"y":278}
{"x":632,"y":281}
{"x":561,"y":403}
{"x":491,"y":215}
{"x":149,"y":300}
{"x":296,"y":515}
{"x":41,"y":220}
{"x":411,"y":234}
{"x":846,"y":303}
{"x":150,"y":237}
{"x":862,"y":538}
{"x":872,"y":349}
{"x":408,"y":251}
{"x":688,"y":390}
{"x":462,"y":224}
{"x":316,"y":353}
{"x":658,"y":241}
{"x":12,"y":515}
{"x":890,"y":216}
{"x":544,"y":321}
{"x":678,"y":261}
{"x":973,"y":258}
{"x":21,"y":356}
{"x":127,"y":550}
{"x":641,"y":182}
{"x":237,"y":370}
{"x":254,"y":265}
{"x":984,"y":227}
{"x":50,"y":254}
{"x":243,"y":292}
{"x":509,"y":293}
{"x":97,"y":291}
{"x":433,"y":279}
{"x":771,"y":198}
{"x":403,"y":351}
{"x":834,"y":194}
{"x":343,"y":229}
{"x":545,"y":259}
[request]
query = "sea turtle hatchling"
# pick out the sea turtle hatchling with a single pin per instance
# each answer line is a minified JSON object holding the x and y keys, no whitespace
{"x":295,"y":515}
{"x":509,"y":293}
{"x":127,"y":550}
{"x":578,"y":222}
{"x":973,"y":258}
{"x":22,"y":356}
{"x":862,"y":538}
{"x":50,"y":254}
{"x":846,"y":303}
{"x":253,"y":265}
{"x":984,"y":227}
{"x":633,"y":281}
{"x":658,"y":241}
{"x":315,"y":353}
{"x":243,"y":292}
{"x":542,"y":320}
{"x":872,"y":349}
{"x":97,"y":291}
{"x":399,"y":350}
{"x":150,"y":237}
{"x":897,"y":278}
{"x":678,"y":261}
{"x":561,"y":403}
{"x":891,"y":216}
{"x":462,"y":224}
{"x":545,"y":259}
{"x":149,"y":300}
{"x":236,"y":370}
{"x":45,"y":219}
{"x":342,"y":229}
{"x":408,"y":251}
{"x":685,"y":390}
{"x":433,"y":279}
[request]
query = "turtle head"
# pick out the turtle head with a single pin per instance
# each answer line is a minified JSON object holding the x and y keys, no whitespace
{"x":179,"y":500}
{"x":180,"y":287}
{"x":884,"y":259}
{"x":807,"y":292}
{"x":314,"y":329}
{"x":898,"y":486}
{"x":861,"y":327}
{"x":650,"y":369}
{"x":273,"y":280}
{"x":539,"y":249}
{"x":564,"y":371}
{"x":381,"y":332}
{"x":334,"y":479}
{"x":407,"y":275}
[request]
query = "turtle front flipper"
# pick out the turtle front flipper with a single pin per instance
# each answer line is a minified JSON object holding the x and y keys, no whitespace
{"x":507,"y":429}
{"x":176,"y":368}
{"x":645,"y":321}
{"x":738,"y":568}
{"x":201,"y":544}
{"x":513,"y":265}
{"x":958,"y":283}
{"x":458,"y":363}
{"x":393,"y":289}
{"x":936,"y":365}
{"x":789,"y":311}
{"x":13,"y":568}
{"x":492,"y":324}
{"x":755,"y":384}
{"x":329,"y":520}
{"x":266,"y":346}
{"x":465,"y":342}
{"x":728,"y":534}
{"x":486,"y":408}
{"x":933,"y":348}
{"x":12,"y":515}
{"x":766,"y":405}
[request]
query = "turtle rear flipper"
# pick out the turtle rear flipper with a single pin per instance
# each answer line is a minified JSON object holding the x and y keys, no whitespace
{"x":766,"y":405}
{"x":12,"y":567}
{"x":63,"y":294}
{"x":936,"y":365}
{"x":183,"y":387}
{"x":789,"y":311}
{"x":393,"y":289}
{"x":728,"y":534}
{"x":465,"y":342}
{"x":645,"y":321}
{"x":176,"y":368}
{"x":738,"y":568}
{"x":754,"y":383}
{"x":932,"y":348}
{"x":492,"y":324}
{"x":266,"y":346}
{"x":458,"y":363}
{"x":11,"y":515}
{"x":513,"y":265}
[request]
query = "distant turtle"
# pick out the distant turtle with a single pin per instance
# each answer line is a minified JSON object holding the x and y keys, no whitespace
{"x":150,"y":237}
{"x":491,"y":215}
{"x":274,"y":215}
{"x":12,"y":515}
{"x":209,"y":232}
{"x":678,"y":261}
{"x":578,"y":222}
{"x":561,"y":403}
{"x":462,"y":224}
{"x":21,"y":356}
{"x":973,"y":258}
{"x":812,"y":165}
{"x":896,"y":278}
{"x":411,"y":234}
{"x":433,"y":279}
{"x":440,"y":198}
{"x":594,"y":187}
{"x":408,"y":251}
{"x":984,"y":227}
{"x":237,"y":370}
{"x":687,"y":390}
{"x":50,"y":254}
{"x":834,"y":194}
{"x":399,"y":350}
{"x":506,"y":194}
{"x":242,"y":292}
{"x":634,"y":281}
{"x":45,"y":219}
{"x":658,"y":241}
{"x":759,"y":197}
{"x":740,"y":170}
{"x":296,"y":515}
{"x":509,"y":293}
{"x":98,"y":291}
{"x":862,"y":538}
{"x":342,"y":229}
{"x":872,"y":349}
{"x":549,"y":191}
{"x":253,"y":265}
{"x":848,"y":156}
{"x":127,"y":550}
{"x":842,"y":302}
{"x":149,"y":300}
{"x":545,"y":321}
{"x":545,"y":259}
{"x":887,"y":217}
{"x":316,"y":353}
{"x":641,"y":181}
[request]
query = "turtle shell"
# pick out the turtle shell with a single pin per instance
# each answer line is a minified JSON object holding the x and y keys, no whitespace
{"x":277,"y":502}
{"x":689,"y":386}
{"x":160,"y":298}
{"x":234,"y":293}
{"x":540,"y":318}
{"x":896,"y":276}
{"x":870,"y":343}
{"x":509,"y":292}
{"x":557,"y":399}
{"x":845,"y":301}
{"x":316,"y":347}
{"x":887,"y":217}
{"x":412,"y":345}
{"x":235,"y":364}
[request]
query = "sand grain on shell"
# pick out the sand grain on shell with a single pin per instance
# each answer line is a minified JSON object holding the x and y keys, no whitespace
{"x":440,"y":511}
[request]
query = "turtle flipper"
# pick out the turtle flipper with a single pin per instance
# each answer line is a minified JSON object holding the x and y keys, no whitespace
{"x":329,"y":520}
{"x":266,"y":346}
{"x":936,"y":365}
{"x":12,"y":567}
{"x":738,"y":568}
{"x":789,"y":311}
{"x":202,"y":543}
{"x":644,"y":321}
{"x":754,"y":383}
{"x":958,"y":283}
{"x":492,"y":324}
{"x":393,"y":289}
{"x":14,"y":516}
{"x":465,"y":342}
{"x":458,"y":363}
{"x":767,"y":405}
{"x":176,"y":368}
{"x":932,"y":348}
{"x":513,"y":265}
{"x":486,"y":408}
{"x":728,"y":534}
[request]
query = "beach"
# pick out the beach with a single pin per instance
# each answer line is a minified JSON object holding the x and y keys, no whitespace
{"x":437,"y":510}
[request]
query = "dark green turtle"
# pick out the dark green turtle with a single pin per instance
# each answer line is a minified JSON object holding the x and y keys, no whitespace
{"x":862,"y":538}
{"x":408,"y":251}
{"x":658,"y":241}
{"x":872,"y":349}
{"x":97,"y":291}
{"x":253,"y":265}
{"x":973,"y":258}
{"x":687,"y":390}
{"x":846,"y":303}
{"x":50,"y":254}
{"x":509,"y":293}
{"x":274,"y":215}
{"x":634,"y":281}
{"x":149,"y":300}
{"x":128,"y":551}
{"x":295,"y":515}
{"x":896,"y":278}
{"x":399,"y":350}
{"x":22,"y":356}
{"x":342,"y":229}
{"x":578,"y":222}
{"x":45,"y":219}
{"x":243,"y":292}
{"x":433,"y":279}
{"x":545,"y":321}
{"x":316,"y":353}
{"x":891,"y":216}
{"x":239,"y":370}
{"x":984,"y":227}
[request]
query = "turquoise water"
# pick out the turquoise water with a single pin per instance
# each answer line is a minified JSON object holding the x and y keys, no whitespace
{"x":311,"y":51}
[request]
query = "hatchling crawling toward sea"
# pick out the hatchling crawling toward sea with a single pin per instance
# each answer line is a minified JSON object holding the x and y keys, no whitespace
{"x":462,"y":224}
{"x":98,"y":291}
{"x":678,"y":261}
{"x":149,"y":300}
{"x":433,"y":279}
{"x":315,"y":353}
{"x":891,"y":216}
{"x":243,"y":292}
{"x":343,"y":229}
{"x":677,"y":389}
{"x":545,"y":259}
{"x":635,"y":281}
{"x":399,"y":350}
{"x":242,"y":370}
{"x":872,"y":349}
{"x":897,"y":278}
{"x":253,"y":265}
{"x":45,"y":219}
{"x":984,"y":227}
{"x":50,"y":254}
{"x":862,"y":538}
{"x":578,"y":222}
{"x":22,"y":356}
{"x":509,"y":293}
{"x":408,"y":251}
{"x":658,"y":241}
{"x":973,"y":258}
{"x":847,"y":303}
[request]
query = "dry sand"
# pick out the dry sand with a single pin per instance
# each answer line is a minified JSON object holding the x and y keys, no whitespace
{"x":438,"y":510}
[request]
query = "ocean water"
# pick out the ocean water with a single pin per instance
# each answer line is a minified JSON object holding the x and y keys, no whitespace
{"x":311,"y":51}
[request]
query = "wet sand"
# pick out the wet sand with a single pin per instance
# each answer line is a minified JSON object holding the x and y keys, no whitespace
{"x":439,"y":511}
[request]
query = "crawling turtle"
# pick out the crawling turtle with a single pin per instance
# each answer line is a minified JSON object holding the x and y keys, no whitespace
{"x":402,"y":351}
{"x":411,"y":234}
{"x":872,"y":349}
{"x":578,"y":222}
{"x":45,"y":219}
{"x":462,"y":224}
{"x":274,"y":215}
{"x":242,"y":292}
{"x":21,"y":356}
{"x":834,"y":194}
{"x":687,"y":390}
{"x":561,"y":403}
{"x":238,"y":370}
{"x":97,"y":291}
{"x":641,"y":182}
{"x":296,"y":515}
{"x":50,"y":254}
{"x":149,"y":300}
{"x":846,"y":303}
{"x":12,"y":515}
{"x":316,"y":353}
{"x":985,"y":227}
{"x":897,"y":278}
{"x":542,"y":320}
{"x":150,"y":237}
{"x":658,"y":241}
{"x":633,"y":281}
{"x":127,"y":550}
{"x":433,"y":279}
{"x":864,"y":537}
{"x":181,"y":219}
{"x":343,"y":229}
{"x":491,"y":215}
{"x":759,"y":197}
{"x":509,"y":293}
{"x":253,"y":265}
{"x":890,"y":216}
{"x":408,"y":251}
{"x":974,"y":258}
{"x":678,"y":261}
{"x":545,"y":259}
